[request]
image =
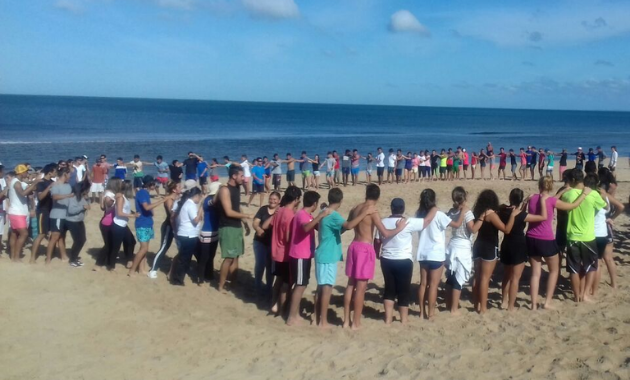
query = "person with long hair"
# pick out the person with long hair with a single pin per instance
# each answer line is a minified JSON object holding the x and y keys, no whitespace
{"x":77,"y":207}
{"x":315,"y":162}
{"x":108,"y":200}
{"x":121,"y":234}
{"x":262,"y":244}
{"x":431,"y":253}
{"x":459,"y":250}
{"x":541,"y":242}
{"x":173,"y":193}
{"x":483,"y":159}
{"x":144,"y":223}
{"x":514,"y":248}
{"x":604,"y":219}
{"x":486,"y":247}
{"x":189,"y":215}
{"x":208,"y":237}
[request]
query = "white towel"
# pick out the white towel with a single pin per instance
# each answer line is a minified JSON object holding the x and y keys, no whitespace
{"x":459,"y":259}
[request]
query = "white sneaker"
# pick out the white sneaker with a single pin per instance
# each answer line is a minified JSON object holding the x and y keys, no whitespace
{"x":152,"y":274}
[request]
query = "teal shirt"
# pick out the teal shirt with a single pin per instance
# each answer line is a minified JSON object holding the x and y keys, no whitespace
{"x":329,"y":249}
{"x":550,"y":158}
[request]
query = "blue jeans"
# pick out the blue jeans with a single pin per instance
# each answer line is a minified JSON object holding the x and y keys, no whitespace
{"x":187,"y":248}
{"x":262,"y":255}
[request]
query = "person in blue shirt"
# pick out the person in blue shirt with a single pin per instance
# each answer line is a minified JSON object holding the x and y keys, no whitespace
{"x":144,"y":224}
{"x":258,"y":183}
{"x":120,"y":169}
{"x":202,"y":174}
{"x":591,"y":154}
{"x":162,"y":174}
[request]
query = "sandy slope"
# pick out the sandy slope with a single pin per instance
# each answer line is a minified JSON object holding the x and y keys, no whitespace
{"x":63,"y":323}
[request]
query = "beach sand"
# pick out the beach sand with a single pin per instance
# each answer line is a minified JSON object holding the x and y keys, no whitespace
{"x":59,"y":322}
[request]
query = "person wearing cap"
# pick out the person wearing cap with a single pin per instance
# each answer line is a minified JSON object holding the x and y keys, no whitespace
{"x":258,"y":183}
{"x":397,"y":259}
{"x":18,"y":209}
{"x":144,"y":223}
{"x":167,"y":230}
{"x":579,"y":159}
{"x":209,"y":236}
{"x":231,"y":222}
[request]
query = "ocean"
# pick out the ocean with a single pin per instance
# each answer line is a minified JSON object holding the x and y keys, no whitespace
{"x":43,"y":129}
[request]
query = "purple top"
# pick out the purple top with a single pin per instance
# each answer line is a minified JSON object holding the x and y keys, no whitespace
{"x":541,"y":230}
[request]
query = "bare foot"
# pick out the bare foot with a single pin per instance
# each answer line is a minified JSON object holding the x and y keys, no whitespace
{"x":455,"y":313}
{"x":324,"y":326}
{"x":588,"y":299}
{"x":356,"y":327}
{"x":274,"y":308}
{"x":297,"y":321}
{"x":548,"y":306}
{"x":346,"y":325}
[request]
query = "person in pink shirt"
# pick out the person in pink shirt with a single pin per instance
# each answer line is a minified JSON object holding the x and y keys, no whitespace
{"x":302,"y":250}
{"x":280,"y":238}
{"x":466,"y":161}
{"x":415,"y":162}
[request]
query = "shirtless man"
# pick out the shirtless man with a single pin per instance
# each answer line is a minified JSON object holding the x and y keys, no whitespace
{"x":361,"y":255}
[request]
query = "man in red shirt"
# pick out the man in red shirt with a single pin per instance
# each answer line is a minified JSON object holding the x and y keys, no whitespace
{"x":99,"y":175}
{"x":502,"y":163}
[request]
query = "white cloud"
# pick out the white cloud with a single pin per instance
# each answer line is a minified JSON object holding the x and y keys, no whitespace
{"x":272,"y":9}
{"x":69,"y":6}
{"x":405,"y":21}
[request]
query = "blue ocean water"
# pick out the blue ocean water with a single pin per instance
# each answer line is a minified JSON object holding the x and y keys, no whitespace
{"x":42,"y":129}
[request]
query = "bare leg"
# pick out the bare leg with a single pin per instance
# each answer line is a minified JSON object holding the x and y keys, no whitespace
{"x":575,"y":286}
{"x":54,"y":238}
{"x":487,"y":267}
{"x":534,"y":280}
{"x":516,"y":273}
{"x":35,"y":247}
{"x":389,"y":311}
{"x":455,"y":294}
{"x":424,"y":279}
{"x":347,"y":300}
{"x":294,"y":309}
{"x":434,"y":281}
{"x":324,"y":302}
{"x":135,"y":265}
{"x":588,"y":284}
{"x":610,"y":264}
{"x":505,"y":285}
{"x":359,"y":297}
{"x":553,"y":264}
{"x":223,"y":274}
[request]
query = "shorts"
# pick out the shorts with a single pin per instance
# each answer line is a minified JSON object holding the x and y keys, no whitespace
{"x":380,"y":171}
{"x":502,"y":166}
{"x":300,"y":270}
{"x":415,"y":170}
{"x":326,"y":273}
{"x":532,"y":165}
{"x":442,"y":169}
{"x":97,"y":188}
{"x":290,"y":175}
{"x":485,"y":251}
{"x":316,"y":173}
{"x":397,"y":275}
{"x":465,"y":166}
{"x":231,"y":242}
{"x":451,"y":280}
{"x":258,"y":188}
{"x":144,"y":234}
{"x":601,"y":243}
{"x":513,"y":168}
{"x":246,"y":179}
{"x":162,"y":180}
{"x":431,"y":265}
{"x":214,"y":178}
{"x":43,"y":221}
{"x":203,"y":181}
{"x":549,"y":169}
{"x":368,"y":171}
{"x":449,"y":168}
{"x":3,"y":216}
{"x":306,"y":173}
{"x":513,"y":251}
{"x":541,"y":248}
{"x":581,"y":257}
{"x":277,"y":179}
{"x":56,"y":225}
{"x":360,"y":261}
{"x":390,"y":170}
{"x":355,"y":171}
{"x":345,"y":170}
{"x":191,"y":176}
{"x":483,"y":164}
{"x":137,"y":182}
{"x":281,"y":270}
{"x":399,"y":172}
{"x":330,"y":174}
{"x":34,"y":230}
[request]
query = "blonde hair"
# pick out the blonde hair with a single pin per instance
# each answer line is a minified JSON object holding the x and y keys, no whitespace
{"x":171,"y":186}
{"x":545,"y":183}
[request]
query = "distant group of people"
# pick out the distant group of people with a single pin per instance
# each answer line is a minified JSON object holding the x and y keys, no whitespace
{"x":202,"y":216}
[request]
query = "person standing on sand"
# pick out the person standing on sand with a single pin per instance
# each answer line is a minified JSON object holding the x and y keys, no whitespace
{"x":513,"y":164}
{"x":330,"y":170}
{"x":162,"y":174}
{"x":99,"y":176}
{"x":502,"y":163}
{"x":202,"y":174}
{"x":302,"y":250}
{"x":176,"y":171}
{"x":396,"y":260}
{"x":290,"y":161}
{"x":258,"y":182}
{"x":190,"y":166}
{"x":43,"y":207}
{"x":189,"y":215}
{"x":614,"y":156}
{"x":361,"y":255}
{"x":466,"y":162}
{"x":380,"y":165}
{"x":18,"y":191}
{"x":231,"y":223}
{"x":345,"y":167}
{"x":173,"y":193}
{"x":276,"y":171}
{"x":60,"y":193}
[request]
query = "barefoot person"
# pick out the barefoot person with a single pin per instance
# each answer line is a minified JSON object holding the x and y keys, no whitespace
{"x":431,"y":252}
{"x":397,"y":261}
{"x":514,"y":245}
{"x":302,"y":250}
{"x":18,"y":210}
{"x":361,"y":255}
{"x":328,"y":252}
{"x":231,"y":222}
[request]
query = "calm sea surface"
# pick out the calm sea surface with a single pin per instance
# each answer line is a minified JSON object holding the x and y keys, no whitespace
{"x":41,"y":129}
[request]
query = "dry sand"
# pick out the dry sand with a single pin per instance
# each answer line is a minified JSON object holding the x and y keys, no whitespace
{"x":59,"y":322}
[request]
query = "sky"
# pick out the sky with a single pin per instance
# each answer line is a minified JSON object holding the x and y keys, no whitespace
{"x":565,"y":54}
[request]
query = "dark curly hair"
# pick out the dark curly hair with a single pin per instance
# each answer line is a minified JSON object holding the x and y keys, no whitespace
{"x":487,"y":200}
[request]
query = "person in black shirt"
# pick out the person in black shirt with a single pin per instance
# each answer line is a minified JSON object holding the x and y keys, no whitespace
{"x":601,"y":156}
{"x":534,"y":160}
{"x":579,"y":159}
{"x":191,"y":166}
{"x":176,"y":171}
{"x":43,"y":207}
{"x":563,"y":163}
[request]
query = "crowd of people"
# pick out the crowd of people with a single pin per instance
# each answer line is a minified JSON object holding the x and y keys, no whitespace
{"x":203,"y":215}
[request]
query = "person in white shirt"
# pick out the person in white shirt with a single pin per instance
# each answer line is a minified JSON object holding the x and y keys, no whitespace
{"x":18,"y":212}
{"x":431,"y":252}
{"x":397,"y":260}
{"x":613,"y":159}
{"x":380,"y":165}
{"x":247,"y":175}
{"x":391,"y":165}
{"x":189,"y":216}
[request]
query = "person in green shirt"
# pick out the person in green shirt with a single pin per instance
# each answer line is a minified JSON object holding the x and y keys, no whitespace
{"x":329,"y":253}
{"x":582,"y":256}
